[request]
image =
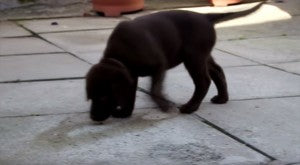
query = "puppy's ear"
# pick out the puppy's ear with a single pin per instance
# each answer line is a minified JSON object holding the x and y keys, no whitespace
{"x":91,"y":79}
{"x":122,"y":86}
{"x":119,"y":70}
{"x":126,"y":75}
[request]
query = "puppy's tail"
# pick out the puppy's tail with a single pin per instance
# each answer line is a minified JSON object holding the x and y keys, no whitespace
{"x":220,"y":17}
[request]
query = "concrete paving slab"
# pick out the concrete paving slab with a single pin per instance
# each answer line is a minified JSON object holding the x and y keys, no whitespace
{"x":293,"y":67}
{"x":277,"y":28}
{"x":271,"y":125}
{"x":10,"y":29}
{"x":40,"y":98}
{"x":80,"y":43}
{"x":50,"y":97}
{"x":45,"y":66}
{"x":228,"y":60}
{"x":92,"y":57}
{"x":149,"y":137}
{"x":26,"y":45}
{"x":247,"y":82}
{"x":70,"y":24}
{"x":290,"y":6}
{"x":265,"y":50}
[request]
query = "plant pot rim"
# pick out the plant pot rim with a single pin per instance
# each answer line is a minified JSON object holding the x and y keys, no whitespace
{"x":114,"y":8}
{"x":224,"y":2}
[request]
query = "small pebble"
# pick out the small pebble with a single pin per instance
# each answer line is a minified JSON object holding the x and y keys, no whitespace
{"x":54,"y":23}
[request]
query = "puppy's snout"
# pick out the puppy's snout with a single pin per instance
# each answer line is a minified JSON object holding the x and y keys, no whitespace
{"x":118,"y":108}
{"x":99,"y":113}
{"x":99,"y":117}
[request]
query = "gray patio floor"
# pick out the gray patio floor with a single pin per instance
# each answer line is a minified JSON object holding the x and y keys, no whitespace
{"x":44,"y":113}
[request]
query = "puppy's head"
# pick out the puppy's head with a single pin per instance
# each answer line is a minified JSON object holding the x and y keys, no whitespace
{"x":105,"y":83}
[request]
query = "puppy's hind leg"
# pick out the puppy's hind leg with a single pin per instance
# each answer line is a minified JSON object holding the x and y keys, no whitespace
{"x":217,"y":75}
{"x":198,"y":70}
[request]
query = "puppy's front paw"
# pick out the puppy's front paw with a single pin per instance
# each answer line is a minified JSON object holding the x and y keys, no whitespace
{"x":187,"y":108}
{"x":121,"y":114}
{"x":165,"y":107}
{"x":219,"y":99}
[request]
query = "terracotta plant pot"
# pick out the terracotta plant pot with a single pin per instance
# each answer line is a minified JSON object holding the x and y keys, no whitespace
{"x":224,"y":2}
{"x":114,"y":8}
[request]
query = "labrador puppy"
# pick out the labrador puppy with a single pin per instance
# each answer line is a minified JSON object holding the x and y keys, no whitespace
{"x":150,"y":45}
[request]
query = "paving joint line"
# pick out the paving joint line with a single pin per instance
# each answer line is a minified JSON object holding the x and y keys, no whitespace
{"x":22,"y":36}
{"x":54,"y":114}
{"x":258,"y":98}
{"x":32,"y":54}
{"x":246,"y":99}
{"x":41,"y":115}
{"x":62,"y":31}
{"x":273,"y":67}
{"x":265,"y":98}
{"x":257,"y":37}
{"x":79,"y":58}
{"x":42,"y":80}
{"x":233,"y":137}
{"x":294,"y":163}
{"x":40,"y":37}
{"x":123,"y":16}
{"x":263,"y":64}
{"x":284,"y":62}
{"x":79,"y":30}
{"x":239,"y":66}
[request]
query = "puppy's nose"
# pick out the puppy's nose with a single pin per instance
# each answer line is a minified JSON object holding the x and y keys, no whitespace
{"x":99,"y":117}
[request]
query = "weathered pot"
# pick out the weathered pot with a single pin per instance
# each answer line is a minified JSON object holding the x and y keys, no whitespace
{"x":224,"y":2}
{"x":114,"y":8}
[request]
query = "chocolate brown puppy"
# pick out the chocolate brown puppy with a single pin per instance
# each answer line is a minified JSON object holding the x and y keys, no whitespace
{"x":150,"y":45}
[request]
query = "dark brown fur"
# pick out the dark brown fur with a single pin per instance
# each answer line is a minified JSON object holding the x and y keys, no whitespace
{"x":148,"y":46}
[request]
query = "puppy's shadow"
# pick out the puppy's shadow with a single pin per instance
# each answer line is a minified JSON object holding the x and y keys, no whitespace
{"x":78,"y":130}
